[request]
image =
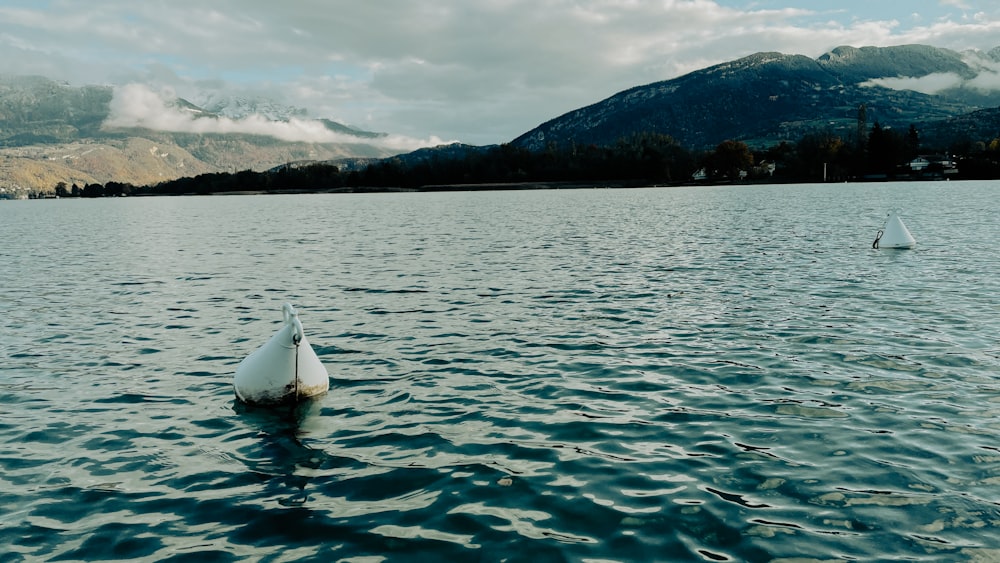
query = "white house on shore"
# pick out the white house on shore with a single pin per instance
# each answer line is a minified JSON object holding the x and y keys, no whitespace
{"x":924,"y":163}
{"x":761,"y":169}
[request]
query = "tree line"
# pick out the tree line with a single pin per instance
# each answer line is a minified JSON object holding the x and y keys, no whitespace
{"x":876,"y":153}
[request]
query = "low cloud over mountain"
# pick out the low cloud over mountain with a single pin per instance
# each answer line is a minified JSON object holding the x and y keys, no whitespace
{"x":138,"y":105}
{"x":767,"y":98}
{"x":983,"y":76}
{"x":53,"y":132}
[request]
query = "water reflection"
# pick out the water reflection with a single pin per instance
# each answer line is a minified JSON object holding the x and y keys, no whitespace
{"x":280,"y":457}
{"x":645,"y":375}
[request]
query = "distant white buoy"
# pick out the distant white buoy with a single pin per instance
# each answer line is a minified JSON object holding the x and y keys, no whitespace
{"x":285,"y":369}
{"x":894,"y":234}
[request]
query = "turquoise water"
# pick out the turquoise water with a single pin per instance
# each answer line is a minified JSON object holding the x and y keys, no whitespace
{"x":678,"y":374}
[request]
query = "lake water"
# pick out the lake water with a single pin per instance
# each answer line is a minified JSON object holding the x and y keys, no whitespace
{"x":676,"y":374}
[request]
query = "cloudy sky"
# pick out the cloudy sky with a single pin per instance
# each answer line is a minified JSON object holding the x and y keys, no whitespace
{"x":475,"y":71}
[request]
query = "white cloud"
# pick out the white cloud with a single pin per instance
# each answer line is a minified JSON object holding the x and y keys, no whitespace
{"x":482,"y":71}
{"x":138,"y":105}
{"x":986,"y":81}
{"x":929,"y":84}
{"x":934,"y":84}
{"x":987,"y":78}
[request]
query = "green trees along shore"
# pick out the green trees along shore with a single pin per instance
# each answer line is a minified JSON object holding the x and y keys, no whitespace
{"x":641,"y":159}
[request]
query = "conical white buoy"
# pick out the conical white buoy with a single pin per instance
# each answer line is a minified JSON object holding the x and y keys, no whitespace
{"x":894,"y":234}
{"x":284,"y":370}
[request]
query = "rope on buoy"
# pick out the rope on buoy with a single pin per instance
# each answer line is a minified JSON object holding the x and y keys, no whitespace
{"x":878,"y":236}
{"x":297,"y":335}
{"x":296,"y":400}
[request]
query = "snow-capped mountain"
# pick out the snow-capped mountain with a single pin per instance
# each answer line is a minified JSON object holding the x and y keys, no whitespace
{"x":53,"y":132}
{"x":241,"y":107}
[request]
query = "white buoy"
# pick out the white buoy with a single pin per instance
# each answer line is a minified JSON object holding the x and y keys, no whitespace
{"x":894,"y":234}
{"x":284,"y":370}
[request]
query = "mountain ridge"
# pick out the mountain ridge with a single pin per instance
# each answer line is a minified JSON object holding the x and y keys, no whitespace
{"x":53,"y":132}
{"x":769,"y":97}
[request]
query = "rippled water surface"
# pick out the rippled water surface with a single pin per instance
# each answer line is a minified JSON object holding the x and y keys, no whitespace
{"x":683,"y":374}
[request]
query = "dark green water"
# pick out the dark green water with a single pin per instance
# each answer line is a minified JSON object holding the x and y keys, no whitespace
{"x":703,"y":374}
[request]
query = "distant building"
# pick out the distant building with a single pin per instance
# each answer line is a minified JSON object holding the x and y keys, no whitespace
{"x":941,"y":164}
{"x":919,"y":164}
{"x":765,"y":167}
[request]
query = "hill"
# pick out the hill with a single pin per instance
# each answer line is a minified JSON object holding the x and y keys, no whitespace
{"x":766,"y":98}
{"x":52,"y":132}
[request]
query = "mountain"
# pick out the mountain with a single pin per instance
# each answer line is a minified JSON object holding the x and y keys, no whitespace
{"x":52,"y":132}
{"x":766,"y":98}
{"x":240,"y":107}
{"x":978,"y":126}
{"x":37,"y":110}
